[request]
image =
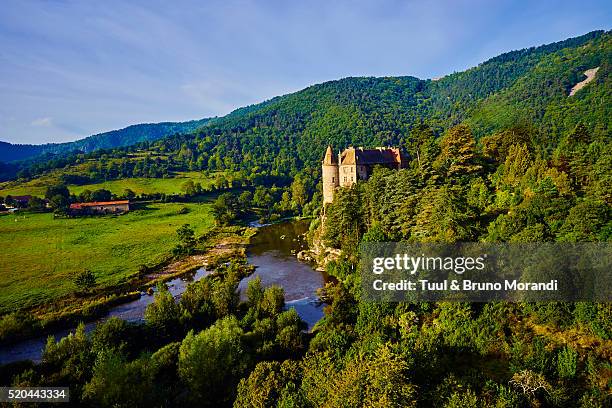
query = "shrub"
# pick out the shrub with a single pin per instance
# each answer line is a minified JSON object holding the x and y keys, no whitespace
{"x":163,"y":314}
{"x":211,"y":361}
{"x":85,"y":280}
{"x":15,"y":325}
{"x":566,"y":363}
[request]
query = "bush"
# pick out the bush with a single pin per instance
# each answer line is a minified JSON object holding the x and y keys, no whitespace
{"x":85,"y":280}
{"x":16,"y":325}
{"x":163,"y":314}
{"x":212,"y":361}
{"x":566,"y":363}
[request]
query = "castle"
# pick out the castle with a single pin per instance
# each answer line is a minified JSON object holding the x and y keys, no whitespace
{"x":355,"y":164}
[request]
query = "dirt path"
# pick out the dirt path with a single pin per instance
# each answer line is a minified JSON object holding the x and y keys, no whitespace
{"x":590,"y":75}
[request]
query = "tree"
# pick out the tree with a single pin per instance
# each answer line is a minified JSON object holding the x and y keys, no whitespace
{"x":129,"y":194}
{"x":101,"y":195}
{"x":268,"y":384}
{"x":529,"y":382}
{"x":285,"y":203}
{"x":85,"y":280}
{"x":566,"y":363}
{"x":344,"y":221}
{"x":212,"y":361}
{"x":10,"y":201}
{"x":163,"y":314}
{"x":299,"y":193}
{"x":36,"y":204}
{"x":189,"y":188}
{"x":225,"y":208}
{"x":424,"y":149}
{"x":262,"y":197}
{"x":186,"y":238}
{"x":458,"y":157}
{"x":254,"y":293}
{"x":85,"y":196}
{"x":58,"y":189}
{"x":587,"y":221}
{"x":245,"y":199}
{"x":273,"y":300}
{"x":118,"y":382}
{"x":59,"y":204}
{"x":517,"y":162}
{"x":444,"y":216}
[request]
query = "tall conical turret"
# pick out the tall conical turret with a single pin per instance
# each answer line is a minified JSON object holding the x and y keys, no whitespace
{"x":330,"y":175}
{"x":330,"y":159}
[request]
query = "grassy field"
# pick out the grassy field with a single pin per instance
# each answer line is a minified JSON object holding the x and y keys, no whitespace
{"x":147,"y":185}
{"x":40,"y":255}
{"x":39,"y":185}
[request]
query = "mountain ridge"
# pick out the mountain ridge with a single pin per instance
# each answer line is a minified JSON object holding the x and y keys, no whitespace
{"x":114,"y":138}
{"x":527,"y":88}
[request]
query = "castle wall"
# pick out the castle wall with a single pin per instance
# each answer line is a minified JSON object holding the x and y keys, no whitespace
{"x":330,"y":179}
{"x":348,"y":175}
{"x":363,"y":172}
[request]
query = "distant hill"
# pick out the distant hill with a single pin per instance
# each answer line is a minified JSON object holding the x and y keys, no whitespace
{"x":107,"y":140}
{"x":527,"y":88}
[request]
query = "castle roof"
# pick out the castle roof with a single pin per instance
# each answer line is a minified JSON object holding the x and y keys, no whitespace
{"x":379,"y":155}
{"x":330,"y":158}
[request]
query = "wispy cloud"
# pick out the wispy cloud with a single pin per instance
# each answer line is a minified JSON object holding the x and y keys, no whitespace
{"x":42,"y":122}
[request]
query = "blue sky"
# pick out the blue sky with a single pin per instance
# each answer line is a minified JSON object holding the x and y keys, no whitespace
{"x":69,"y":69}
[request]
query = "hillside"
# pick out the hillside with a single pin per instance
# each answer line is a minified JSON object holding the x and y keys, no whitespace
{"x":526,"y":88}
{"x":107,"y":140}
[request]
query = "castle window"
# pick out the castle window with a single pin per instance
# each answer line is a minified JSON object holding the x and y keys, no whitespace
{"x":333,"y":180}
{"x":352,"y":178}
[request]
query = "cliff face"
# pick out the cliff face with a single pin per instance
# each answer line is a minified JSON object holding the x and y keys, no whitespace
{"x":317,"y":252}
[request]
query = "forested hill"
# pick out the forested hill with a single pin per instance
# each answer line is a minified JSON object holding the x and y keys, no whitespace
{"x":107,"y":140}
{"x":527,"y":89}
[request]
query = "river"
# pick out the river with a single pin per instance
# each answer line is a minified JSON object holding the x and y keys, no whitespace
{"x":272,"y":251}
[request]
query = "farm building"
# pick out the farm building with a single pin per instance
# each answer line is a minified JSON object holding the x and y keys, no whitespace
{"x":22,"y":201}
{"x":100,"y":207}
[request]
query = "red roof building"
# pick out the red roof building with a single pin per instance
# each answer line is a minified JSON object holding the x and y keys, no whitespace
{"x":101,"y":207}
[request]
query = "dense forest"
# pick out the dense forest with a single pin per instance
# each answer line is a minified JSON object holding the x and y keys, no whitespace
{"x":209,"y":349}
{"x":285,"y":135}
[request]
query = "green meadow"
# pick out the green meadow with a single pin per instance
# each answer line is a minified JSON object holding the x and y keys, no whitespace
{"x":147,"y":185}
{"x":40,"y":255}
{"x":138,"y":185}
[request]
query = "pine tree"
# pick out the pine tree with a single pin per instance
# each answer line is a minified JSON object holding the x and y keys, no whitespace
{"x":458,"y":157}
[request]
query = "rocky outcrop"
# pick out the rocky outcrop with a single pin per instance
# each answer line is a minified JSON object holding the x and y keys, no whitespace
{"x":318,"y":253}
{"x":590,"y":75}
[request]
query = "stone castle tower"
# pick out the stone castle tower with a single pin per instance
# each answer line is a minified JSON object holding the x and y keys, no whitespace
{"x":330,"y":175}
{"x":354,"y":164}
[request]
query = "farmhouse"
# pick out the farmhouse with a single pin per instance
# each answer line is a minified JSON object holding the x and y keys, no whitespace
{"x":355,"y":164}
{"x":22,"y":201}
{"x":100,"y":207}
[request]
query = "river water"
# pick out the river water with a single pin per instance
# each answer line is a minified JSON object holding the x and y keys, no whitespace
{"x":272,"y":251}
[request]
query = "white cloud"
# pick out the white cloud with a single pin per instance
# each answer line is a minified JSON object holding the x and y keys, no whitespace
{"x":42,"y":122}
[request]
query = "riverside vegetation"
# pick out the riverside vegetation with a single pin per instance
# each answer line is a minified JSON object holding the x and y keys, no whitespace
{"x":500,"y":153}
